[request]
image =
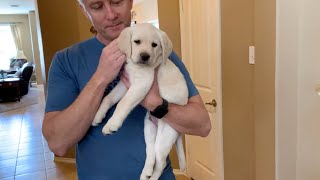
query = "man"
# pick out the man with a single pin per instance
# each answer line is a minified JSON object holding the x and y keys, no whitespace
{"x":81,"y":75}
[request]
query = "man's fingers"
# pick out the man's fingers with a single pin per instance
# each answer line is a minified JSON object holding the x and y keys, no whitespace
{"x":119,"y":61}
{"x":117,"y":55}
{"x":112,"y":48}
{"x":121,"y":58}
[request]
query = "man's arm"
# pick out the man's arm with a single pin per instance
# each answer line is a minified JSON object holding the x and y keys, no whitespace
{"x":63,"y":129}
{"x":192,"y":119}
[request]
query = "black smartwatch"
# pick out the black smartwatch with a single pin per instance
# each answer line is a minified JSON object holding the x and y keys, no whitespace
{"x":161,"y":110}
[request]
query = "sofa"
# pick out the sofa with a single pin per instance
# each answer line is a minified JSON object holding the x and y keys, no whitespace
{"x":24,"y":74}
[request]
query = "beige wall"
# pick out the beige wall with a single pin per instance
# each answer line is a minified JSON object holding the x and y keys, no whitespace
{"x":264,"y":88}
{"x":248,"y":90}
{"x":169,"y":21}
{"x":23,"y":25}
{"x":237,"y":34}
{"x":40,"y":45}
{"x":35,"y":46}
{"x":84,"y":25}
{"x":59,"y":27}
{"x":146,"y":10}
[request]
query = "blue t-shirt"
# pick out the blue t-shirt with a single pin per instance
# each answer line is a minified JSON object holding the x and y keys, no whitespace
{"x":119,"y":156}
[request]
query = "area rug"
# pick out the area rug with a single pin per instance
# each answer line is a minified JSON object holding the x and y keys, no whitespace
{"x":31,"y":98}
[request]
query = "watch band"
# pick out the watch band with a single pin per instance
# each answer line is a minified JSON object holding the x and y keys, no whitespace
{"x":161,"y":110}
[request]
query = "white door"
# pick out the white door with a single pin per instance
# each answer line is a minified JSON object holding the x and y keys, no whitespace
{"x":200,"y":45}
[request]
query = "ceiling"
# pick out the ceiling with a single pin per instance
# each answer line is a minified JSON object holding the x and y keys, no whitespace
{"x":24,"y":6}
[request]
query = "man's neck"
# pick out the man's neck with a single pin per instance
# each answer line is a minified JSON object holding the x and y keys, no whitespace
{"x":102,"y":39}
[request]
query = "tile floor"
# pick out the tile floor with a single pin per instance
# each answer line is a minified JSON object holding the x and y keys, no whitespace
{"x":24,"y":153}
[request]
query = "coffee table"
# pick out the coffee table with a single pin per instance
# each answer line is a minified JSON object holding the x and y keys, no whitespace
{"x":9,"y":89}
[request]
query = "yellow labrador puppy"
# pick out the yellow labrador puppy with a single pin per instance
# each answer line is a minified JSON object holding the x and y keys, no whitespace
{"x":146,"y":48}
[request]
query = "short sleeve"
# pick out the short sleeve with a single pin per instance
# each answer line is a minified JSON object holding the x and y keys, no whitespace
{"x":191,"y":87}
{"x":62,"y":86}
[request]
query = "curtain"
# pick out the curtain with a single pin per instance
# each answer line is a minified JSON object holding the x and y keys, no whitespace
{"x":16,"y":36}
{"x":17,"y":40}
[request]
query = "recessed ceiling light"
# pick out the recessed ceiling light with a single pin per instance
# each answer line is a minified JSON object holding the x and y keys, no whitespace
{"x":14,"y":5}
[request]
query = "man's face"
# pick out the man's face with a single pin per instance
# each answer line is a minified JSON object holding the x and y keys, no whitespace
{"x":109,"y":17}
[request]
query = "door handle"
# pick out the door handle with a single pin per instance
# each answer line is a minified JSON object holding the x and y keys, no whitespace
{"x":212,"y":103}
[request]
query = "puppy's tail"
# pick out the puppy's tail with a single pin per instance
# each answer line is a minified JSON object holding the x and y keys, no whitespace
{"x":181,"y":155}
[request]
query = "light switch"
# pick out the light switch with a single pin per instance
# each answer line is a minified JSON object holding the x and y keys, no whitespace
{"x":251,"y":55}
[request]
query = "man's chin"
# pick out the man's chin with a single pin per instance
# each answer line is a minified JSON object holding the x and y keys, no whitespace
{"x":110,"y":36}
{"x":116,"y":29}
{"x":114,"y":35}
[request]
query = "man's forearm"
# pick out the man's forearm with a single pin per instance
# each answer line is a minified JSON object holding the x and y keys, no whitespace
{"x":192,"y":119}
{"x":65,"y":128}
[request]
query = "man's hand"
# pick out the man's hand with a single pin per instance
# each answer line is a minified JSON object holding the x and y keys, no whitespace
{"x":153,"y":98}
{"x":110,"y":63}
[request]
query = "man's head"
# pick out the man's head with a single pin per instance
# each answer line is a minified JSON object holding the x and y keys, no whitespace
{"x":109,"y":17}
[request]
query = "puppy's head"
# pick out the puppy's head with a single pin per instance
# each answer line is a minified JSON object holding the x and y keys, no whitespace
{"x":144,"y":44}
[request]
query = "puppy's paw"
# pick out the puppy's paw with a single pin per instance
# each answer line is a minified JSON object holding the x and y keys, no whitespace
{"x":144,"y":178}
{"x":146,"y":173}
{"x":98,"y":118}
{"x":154,"y":178}
{"x":112,"y":126}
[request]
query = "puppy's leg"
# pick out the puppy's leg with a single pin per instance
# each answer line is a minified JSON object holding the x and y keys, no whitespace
{"x":150,"y":133}
{"x":181,"y":155}
{"x":113,"y":97}
{"x":132,"y":98}
{"x":166,"y":137}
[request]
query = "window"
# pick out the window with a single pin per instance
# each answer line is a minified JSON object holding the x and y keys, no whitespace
{"x":7,"y":47}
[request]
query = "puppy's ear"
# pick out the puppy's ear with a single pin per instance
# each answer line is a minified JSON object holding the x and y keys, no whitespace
{"x":166,"y":46}
{"x":124,"y":41}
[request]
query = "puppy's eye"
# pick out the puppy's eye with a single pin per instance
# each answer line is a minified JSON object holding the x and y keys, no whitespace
{"x":154,"y":45}
{"x":137,"y":41}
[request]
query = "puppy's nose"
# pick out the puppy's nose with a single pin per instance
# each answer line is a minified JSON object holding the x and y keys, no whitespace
{"x":144,"y":56}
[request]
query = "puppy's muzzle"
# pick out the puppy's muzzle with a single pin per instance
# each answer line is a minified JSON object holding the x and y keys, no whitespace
{"x":144,"y":58}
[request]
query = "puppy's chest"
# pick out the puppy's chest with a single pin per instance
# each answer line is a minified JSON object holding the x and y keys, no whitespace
{"x":139,"y":74}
